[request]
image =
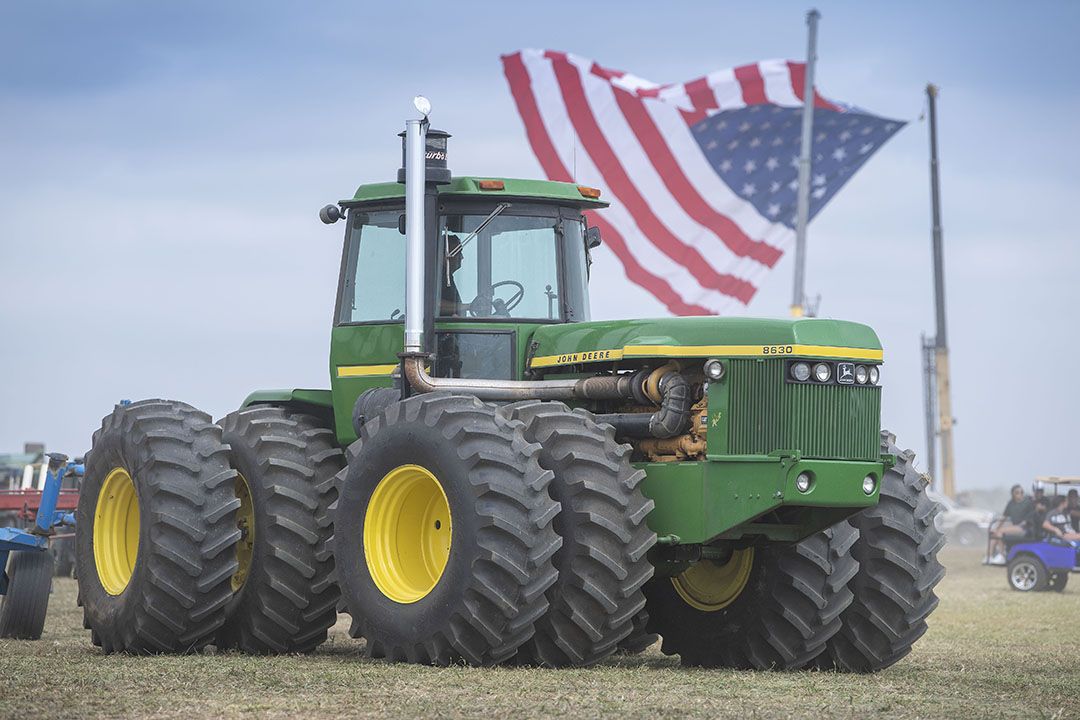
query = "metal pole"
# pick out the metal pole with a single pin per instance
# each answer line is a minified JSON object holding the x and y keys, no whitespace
{"x":803,"y":200}
{"x":415,"y":142}
{"x":941,"y":348}
{"x":930,"y":407}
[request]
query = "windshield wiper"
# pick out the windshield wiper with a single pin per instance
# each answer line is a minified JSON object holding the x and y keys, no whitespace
{"x":479,"y":229}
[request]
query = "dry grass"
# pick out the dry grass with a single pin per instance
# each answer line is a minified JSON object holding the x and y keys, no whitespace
{"x":990,"y":652}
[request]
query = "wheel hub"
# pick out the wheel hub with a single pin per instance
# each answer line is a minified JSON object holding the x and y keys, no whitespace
{"x":407,"y":533}
{"x":1023,"y":576}
{"x":709,"y":586}
{"x":116,"y":531}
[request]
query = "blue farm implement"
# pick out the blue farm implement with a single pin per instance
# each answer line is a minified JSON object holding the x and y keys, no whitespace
{"x":26,"y":581}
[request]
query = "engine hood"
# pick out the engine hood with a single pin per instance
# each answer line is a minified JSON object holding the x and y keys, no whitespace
{"x":612,"y":340}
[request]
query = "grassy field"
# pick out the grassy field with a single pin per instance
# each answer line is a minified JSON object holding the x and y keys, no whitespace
{"x":990,"y":652}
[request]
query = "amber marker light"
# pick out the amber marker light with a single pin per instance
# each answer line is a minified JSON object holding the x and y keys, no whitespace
{"x":490,"y":184}
{"x":588,"y":191}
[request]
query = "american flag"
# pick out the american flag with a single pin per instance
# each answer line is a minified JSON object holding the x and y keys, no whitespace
{"x":701,"y":176}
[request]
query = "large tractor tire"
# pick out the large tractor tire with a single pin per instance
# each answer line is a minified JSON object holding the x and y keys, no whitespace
{"x":442,"y":533}
{"x":602,"y":565}
{"x":898,"y":570}
{"x":156,"y":530}
{"x":640,"y":639}
{"x":22,"y":610}
{"x":765,"y":608}
{"x":284,"y":598}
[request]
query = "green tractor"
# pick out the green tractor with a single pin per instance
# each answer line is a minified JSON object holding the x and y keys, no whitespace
{"x":492,"y":477}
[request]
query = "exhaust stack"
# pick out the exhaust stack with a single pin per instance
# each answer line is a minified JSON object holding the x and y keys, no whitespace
{"x":415,"y":141}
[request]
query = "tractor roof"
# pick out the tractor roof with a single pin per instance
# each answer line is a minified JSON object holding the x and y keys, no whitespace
{"x":563,"y":193}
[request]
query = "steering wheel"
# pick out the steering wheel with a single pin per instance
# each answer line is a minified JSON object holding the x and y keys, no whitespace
{"x":486,"y":305}
{"x":515,"y":299}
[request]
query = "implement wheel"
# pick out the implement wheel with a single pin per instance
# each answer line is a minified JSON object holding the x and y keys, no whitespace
{"x":898,"y":570}
{"x":443,"y":533}
{"x":22,"y":609}
{"x":284,"y":599}
{"x":765,"y":608}
{"x":601,"y":564}
{"x":156,"y":530}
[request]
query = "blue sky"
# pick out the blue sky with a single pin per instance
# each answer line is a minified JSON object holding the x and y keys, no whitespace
{"x":161,"y":166}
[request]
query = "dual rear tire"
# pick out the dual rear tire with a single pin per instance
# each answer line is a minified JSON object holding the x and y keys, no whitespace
{"x":176,"y":549}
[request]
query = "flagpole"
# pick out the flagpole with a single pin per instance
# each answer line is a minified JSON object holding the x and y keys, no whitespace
{"x":803,"y":200}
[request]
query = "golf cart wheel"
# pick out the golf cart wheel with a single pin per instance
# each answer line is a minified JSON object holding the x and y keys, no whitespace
{"x":1027,"y":573}
{"x":284,"y":600}
{"x":22,"y":609}
{"x":1058,"y":581}
{"x":442,"y":533}
{"x":602,"y":565}
{"x":898,"y":570}
{"x":767,"y":608}
{"x":156,"y":530}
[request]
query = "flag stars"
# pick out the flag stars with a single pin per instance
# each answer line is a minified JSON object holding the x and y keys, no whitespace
{"x":820,"y":137}
{"x":793,"y":185}
{"x":819,"y":179}
{"x":773,"y":210}
{"x":733,"y":144}
{"x":794,"y":161}
{"x":819,"y":193}
{"x":866,"y":130}
{"x":772,"y":163}
{"x":749,"y":189}
{"x":725,"y":166}
{"x":775,"y":187}
{"x":777,"y":141}
{"x":839,"y":154}
{"x":845,"y":136}
{"x":750,"y":166}
{"x":744,"y":127}
{"x":754,"y":142}
{"x":866,"y":148}
{"x":889,"y":127}
{"x":712,"y":145}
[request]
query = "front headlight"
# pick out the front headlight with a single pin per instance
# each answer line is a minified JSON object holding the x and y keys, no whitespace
{"x":800,"y":371}
{"x":861,"y":374}
{"x":874,"y":374}
{"x":822,"y":372}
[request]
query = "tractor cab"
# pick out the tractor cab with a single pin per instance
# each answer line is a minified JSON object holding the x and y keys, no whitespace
{"x":502,"y":258}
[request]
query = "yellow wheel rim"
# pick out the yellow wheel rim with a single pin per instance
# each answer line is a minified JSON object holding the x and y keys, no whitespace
{"x":709,"y":586}
{"x":116,"y":531}
{"x":245,"y":521}
{"x":407,"y":533}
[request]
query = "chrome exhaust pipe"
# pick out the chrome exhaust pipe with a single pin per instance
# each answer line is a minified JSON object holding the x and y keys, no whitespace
{"x":415,"y":171}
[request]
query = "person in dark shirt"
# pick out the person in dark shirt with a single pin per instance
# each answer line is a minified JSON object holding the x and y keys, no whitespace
{"x":1058,"y":523}
{"x":1015,"y":521}
{"x":1073,"y":507}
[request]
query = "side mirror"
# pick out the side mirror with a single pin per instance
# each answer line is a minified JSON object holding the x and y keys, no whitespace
{"x":331,"y":214}
{"x":592,"y":237}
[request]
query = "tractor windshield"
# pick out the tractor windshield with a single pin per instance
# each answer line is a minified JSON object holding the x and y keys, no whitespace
{"x":509,"y":269}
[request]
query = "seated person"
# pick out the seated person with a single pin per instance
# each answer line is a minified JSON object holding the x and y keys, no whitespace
{"x":1057,"y":522}
{"x":450,"y":304}
{"x":1073,"y":507}
{"x":1016,"y":521}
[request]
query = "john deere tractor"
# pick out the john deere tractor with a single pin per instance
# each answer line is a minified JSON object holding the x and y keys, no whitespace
{"x":493,"y":477}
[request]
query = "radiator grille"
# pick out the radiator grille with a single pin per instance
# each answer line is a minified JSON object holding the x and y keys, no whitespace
{"x":766,"y":413}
